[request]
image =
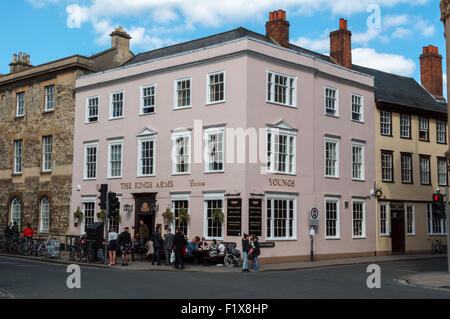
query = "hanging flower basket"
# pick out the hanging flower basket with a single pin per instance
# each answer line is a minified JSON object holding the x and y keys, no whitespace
{"x":78,"y":214}
{"x":101,"y":215}
{"x":183,"y":215}
{"x":168,"y":215}
{"x":218,"y":215}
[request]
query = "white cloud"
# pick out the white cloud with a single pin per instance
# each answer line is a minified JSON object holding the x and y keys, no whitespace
{"x":364,"y":38}
{"x":390,"y":21}
{"x":401,"y":33}
{"x":391,"y":63}
{"x":320,"y":45}
{"x":42,"y":3}
{"x":425,"y":28}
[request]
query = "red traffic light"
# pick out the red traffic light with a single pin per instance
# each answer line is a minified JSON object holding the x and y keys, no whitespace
{"x":436,"y":197}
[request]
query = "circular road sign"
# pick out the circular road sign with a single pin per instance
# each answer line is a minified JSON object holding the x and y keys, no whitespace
{"x":314,"y":213}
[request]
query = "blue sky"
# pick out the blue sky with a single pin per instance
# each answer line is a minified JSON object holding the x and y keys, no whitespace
{"x":53,"y":29}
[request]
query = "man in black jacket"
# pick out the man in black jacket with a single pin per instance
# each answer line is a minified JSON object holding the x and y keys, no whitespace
{"x":9,"y":231}
{"x":157,"y":244}
{"x":179,"y":243}
{"x":245,"y":249}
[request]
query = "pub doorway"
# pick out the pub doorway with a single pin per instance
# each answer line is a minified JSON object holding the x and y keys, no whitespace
{"x":145,"y":210}
{"x":398,"y":231}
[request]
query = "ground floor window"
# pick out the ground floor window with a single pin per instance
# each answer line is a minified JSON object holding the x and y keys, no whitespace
{"x":410,"y":220}
{"x":177,"y":222}
{"x":214,"y":227}
{"x":332,"y":218}
{"x":359,"y":216}
{"x":88,"y":214}
{"x":384,"y":219}
{"x":45,"y":215}
{"x":436,"y":226}
{"x":16,"y":212}
{"x":281,"y":217}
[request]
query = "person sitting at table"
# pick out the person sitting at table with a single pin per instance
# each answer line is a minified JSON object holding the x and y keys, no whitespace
{"x":203,"y":244}
{"x":192,"y":250}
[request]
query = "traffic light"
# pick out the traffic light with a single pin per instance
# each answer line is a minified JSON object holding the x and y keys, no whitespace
{"x":438,"y":205}
{"x":114,"y":205}
{"x":103,"y":193}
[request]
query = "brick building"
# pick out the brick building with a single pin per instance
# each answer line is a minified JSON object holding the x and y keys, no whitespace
{"x":37,"y":107}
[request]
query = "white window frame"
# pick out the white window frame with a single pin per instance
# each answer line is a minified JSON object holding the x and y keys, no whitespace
{"x":43,"y":217}
{"x":293,"y":88}
{"x":88,"y":121}
{"x":387,"y":219}
{"x":87,"y":200}
{"x":291,"y":158}
{"x":110,"y":144}
{"x":410,"y":171}
{"x":18,"y":104}
{"x":402,"y":125}
{"x":386,"y":123}
{"x":336,"y":141}
{"x":287,"y":197}
{"x":424,"y":126}
{"x":361,"y":109}
{"x":421,"y":171}
{"x":208,"y":94}
{"x":17,"y":156}
{"x":46,"y":103}
{"x":413,"y":220}
{"x":391,"y":180}
{"x":208,"y":133}
{"x":442,"y":222}
{"x":363,"y":225}
{"x":207,"y":197}
{"x":176,"y":198}
{"x":441,"y":124}
{"x":16,"y":216}
{"x":337,"y":201}
{"x":336,"y":104}
{"x":139,"y":155}
{"x":46,"y":154}
{"x":441,"y":171}
{"x":175,"y":135}
{"x":111,"y":112}
{"x":86,"y":146}
{"x":360,"y":145}
{"x":141,"y":98}
{"x":175,"y":93}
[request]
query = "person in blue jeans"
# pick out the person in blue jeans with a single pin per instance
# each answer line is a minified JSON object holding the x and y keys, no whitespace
{"x":255,"y":252}
{"x":245,"y":249}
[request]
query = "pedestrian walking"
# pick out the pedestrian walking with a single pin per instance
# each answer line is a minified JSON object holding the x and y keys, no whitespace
{"x":179,"y":242}
{"x":9,"y":231}
{"x":28,"y":232}
{"x":144,"y":232}
{"x":15,"y":229}
{"x":157,"y":245}
{"x":245,"y":249}
{"x":125,"y":245}
{"x":254,"y":252}
{"x":168,"y":245}
{"x":112,"y":247}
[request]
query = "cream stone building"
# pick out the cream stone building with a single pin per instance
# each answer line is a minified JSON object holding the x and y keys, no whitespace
{"x":37,"y":107}
{"x":411,"y":141}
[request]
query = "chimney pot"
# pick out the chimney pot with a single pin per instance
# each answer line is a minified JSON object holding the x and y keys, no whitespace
{"x":277,"y":28}
{"x":431,"y":70}
{"x":341,"y":45}
{"x":15,"y":57}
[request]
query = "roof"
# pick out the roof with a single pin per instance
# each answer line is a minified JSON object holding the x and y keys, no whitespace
{"x":214,"y":40}
{"x":403,"y":91}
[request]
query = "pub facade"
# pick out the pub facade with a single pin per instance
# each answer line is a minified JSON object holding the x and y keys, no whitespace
{"x":244,"y":132}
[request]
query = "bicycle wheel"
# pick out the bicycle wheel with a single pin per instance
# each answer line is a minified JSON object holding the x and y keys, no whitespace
{"x":229,"y":260}
{"x":90,"y":255}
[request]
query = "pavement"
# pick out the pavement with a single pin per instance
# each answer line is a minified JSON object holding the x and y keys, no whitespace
{"x":434,"y":280}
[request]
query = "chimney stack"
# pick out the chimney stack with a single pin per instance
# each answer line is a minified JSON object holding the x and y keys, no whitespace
{"x":120,"y":39}
{"x":341,"y":45}
{"x":20,"y":62}
{"x":431,"y":71}
{"x":277,"y":28}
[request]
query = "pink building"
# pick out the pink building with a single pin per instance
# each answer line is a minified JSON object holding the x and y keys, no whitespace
{"x":159,"y":132}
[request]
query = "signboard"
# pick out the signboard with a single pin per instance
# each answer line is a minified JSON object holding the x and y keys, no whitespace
{"x":234,"y":216}
{"x":267,"y":245}
{"x":146,"y":207}
{"x":314,"y":217}
{"x":255,"y":216}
